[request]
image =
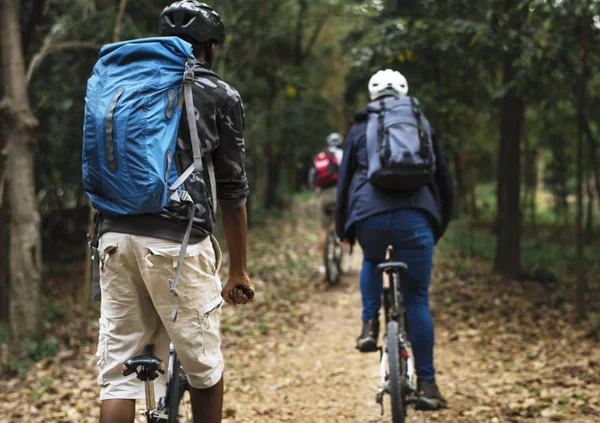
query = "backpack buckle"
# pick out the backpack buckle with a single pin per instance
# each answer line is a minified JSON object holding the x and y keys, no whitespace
{"x":188,"y":75}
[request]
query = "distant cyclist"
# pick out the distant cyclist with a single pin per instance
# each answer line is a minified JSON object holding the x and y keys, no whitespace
{"x":395,"y":189}
{"x":323,"y":177}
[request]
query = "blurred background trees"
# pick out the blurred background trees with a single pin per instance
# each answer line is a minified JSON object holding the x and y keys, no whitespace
{"x":511,"y":87}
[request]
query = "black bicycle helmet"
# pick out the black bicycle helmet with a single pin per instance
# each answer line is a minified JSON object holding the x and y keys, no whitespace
{"x":192,"y":19}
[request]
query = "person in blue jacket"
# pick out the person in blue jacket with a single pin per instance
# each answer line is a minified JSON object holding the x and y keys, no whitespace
{"x":410,"y":221}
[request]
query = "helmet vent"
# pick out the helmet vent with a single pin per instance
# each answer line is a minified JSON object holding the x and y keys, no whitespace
{"x":168,"y":20}
{"x":191,"y":21}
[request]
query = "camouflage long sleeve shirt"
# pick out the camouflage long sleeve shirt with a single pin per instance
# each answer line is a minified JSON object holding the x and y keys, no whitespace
{"x":220,"y":121}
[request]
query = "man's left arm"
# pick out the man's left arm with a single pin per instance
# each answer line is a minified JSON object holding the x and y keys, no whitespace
{"x":232,"y":193}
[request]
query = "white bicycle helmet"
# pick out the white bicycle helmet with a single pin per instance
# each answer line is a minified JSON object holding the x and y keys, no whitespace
{"x":334,"y":139}
{"x":387,"y":82}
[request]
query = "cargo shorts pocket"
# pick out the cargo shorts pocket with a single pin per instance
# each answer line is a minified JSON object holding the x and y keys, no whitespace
{"x":211,"y":339}
{"x":106,"y":251}
{"x":170,"y":252}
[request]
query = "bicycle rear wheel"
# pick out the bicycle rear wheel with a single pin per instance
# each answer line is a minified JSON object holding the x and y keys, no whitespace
{"x":395,"y":374}
{"x":178,"y":396}
{"x":332,"y":271}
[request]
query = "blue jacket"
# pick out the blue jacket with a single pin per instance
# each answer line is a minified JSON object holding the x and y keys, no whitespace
{"x":357,"y":199}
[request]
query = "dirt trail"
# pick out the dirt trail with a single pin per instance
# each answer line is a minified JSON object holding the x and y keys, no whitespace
{"x":316,"y":375}
{"x":506,"y":351}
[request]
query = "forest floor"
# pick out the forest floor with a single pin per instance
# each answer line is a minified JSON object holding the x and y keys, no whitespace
{"x":506,"y":351}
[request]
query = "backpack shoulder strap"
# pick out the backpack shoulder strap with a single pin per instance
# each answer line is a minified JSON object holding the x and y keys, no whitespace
{"x":204,"y":71}
{"x":416,"y":110}
{"x":188,"y":79}
{"x":381,"y":129}
{"x":197,"y":166}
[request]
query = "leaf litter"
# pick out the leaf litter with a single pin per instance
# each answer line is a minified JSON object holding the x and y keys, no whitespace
{"x":505,"y":352}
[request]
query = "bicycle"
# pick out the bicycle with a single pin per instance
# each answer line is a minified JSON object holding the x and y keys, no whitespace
{"x":337,"y":257}
{"x":396,"y":365}
{"x":175,"y":406}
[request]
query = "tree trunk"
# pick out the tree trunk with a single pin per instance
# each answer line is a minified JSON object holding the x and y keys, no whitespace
{"x":273,"y":156}
{"x":273,"y":176}
{"x":533,"y":188}
{"x":4,"y":287}
{"x":593,"y":149}
{"x":291,"y":171}
{"x":471,"y":194}
{"x":461,"y":191}
{"x":85,"y":294}
{"x":589,"y":224}
{"x":579,"y":240}
{"x":119,"y":20}
{"x":19,"y":133}
{"x":508,"y":248}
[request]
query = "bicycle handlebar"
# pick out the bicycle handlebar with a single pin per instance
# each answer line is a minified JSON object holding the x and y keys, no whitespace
{"x":247,"y":291}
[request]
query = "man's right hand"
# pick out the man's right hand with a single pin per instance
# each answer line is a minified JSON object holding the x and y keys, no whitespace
{"x":232,"y":294}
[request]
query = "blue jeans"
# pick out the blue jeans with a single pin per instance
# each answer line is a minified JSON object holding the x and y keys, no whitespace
{"x":409,"y":232}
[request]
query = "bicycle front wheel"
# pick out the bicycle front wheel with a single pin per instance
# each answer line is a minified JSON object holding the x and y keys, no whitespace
{"x":395,"y":374}
{"x":178,"y":397}
{"x":332,"y":272}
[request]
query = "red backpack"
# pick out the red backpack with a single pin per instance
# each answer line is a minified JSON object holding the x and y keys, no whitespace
{"x":327,"y":168}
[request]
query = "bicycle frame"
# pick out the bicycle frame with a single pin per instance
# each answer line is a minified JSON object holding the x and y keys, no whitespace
{"x":151,"y":409}
{"x":153,"y":412}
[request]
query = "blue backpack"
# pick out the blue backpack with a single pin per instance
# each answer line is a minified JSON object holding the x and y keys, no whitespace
{"x":399,"y":145}
{"x":133,"y":107}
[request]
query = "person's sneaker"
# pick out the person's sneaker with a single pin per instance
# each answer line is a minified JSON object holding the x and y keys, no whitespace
{"x":367,"y":341}
{"x":321,"y":270}
{"x":430,"y":397}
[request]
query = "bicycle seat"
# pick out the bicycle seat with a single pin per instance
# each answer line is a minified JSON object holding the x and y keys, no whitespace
{"x":146,"y":366}
{"x":391,"y":266}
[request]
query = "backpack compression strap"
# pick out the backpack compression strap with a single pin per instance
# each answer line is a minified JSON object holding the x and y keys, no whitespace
{"x":181,"y":196}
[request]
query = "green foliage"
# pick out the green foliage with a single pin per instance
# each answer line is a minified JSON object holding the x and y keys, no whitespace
{"x":544,"y":258}
{"x":595,"y":319}
{"x":34,"y":351}
{"x":54,"y":310}
{"x":45,"y":386}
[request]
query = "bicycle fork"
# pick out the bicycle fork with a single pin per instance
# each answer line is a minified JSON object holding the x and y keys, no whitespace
{"x":410,"y":372}
{"x":383,"y":389}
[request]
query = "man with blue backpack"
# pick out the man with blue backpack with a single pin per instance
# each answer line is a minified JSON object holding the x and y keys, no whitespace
{"x":163,"y":145}
{"x":395,"y":188}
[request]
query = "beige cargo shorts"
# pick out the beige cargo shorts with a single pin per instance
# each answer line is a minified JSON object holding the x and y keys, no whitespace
{"x":136,"y":310}
{"x":327,"y":200}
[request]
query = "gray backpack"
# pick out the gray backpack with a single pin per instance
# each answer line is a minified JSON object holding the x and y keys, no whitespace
{"x":399,"y":145}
